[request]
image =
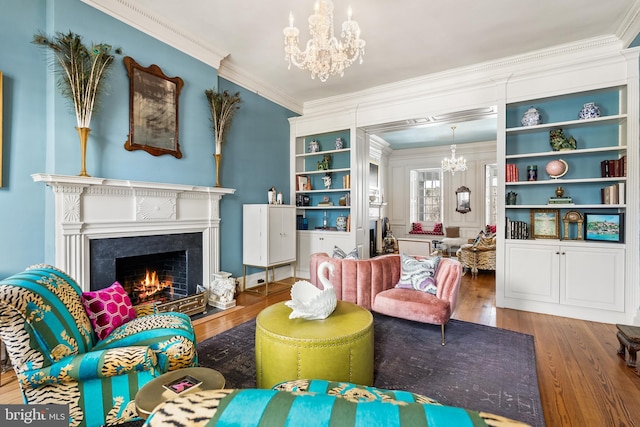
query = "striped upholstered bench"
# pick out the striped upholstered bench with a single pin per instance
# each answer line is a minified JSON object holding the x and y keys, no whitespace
{"x":316,"y":403}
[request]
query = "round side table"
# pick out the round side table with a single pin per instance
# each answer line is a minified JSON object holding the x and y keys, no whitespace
{"x":338,"y":348}
{"x":153,"y":393}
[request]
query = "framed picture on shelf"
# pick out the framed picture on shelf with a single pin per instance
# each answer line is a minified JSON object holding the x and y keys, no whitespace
{"x":545,"y":223}
{"x":303,"y":183}
{"x":604,"y":227}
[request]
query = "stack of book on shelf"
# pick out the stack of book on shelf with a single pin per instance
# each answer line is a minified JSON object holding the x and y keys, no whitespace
{"x":511,"y":173}
{"x":517,"y":230}
{"x":346,"y":181}
{"x":560,"y":201}
{"x":613,"y":194}
{"x":614,"y":168}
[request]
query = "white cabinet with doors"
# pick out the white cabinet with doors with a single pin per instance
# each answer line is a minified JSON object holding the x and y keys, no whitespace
{"x":310,"y":242}
{"x":269,"y":236}
{"x":566,"y":273}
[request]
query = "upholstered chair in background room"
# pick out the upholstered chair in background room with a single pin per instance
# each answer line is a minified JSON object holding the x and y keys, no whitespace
{"x":479,"y":253}
{"x":452,"y":241}
{"x":60,"y":357}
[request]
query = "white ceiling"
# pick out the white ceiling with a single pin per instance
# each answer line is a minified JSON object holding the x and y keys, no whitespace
{"x":404,"y":38}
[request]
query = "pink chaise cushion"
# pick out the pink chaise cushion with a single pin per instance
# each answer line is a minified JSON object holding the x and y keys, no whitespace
{"x":413,"y":305}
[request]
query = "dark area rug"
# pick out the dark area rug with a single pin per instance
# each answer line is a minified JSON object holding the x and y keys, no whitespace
{"x":481,"y":367}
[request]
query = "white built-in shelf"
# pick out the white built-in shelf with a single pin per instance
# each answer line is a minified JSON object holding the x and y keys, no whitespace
{"x":567,"y":206}
{"x":330,"y":190}
{"x":323,"y":152}
{"x":618,"y":118}
{"x":614,"y":148}
{"x":323,"y":171}
{"x":322,"y":208}
{"x":561,"y":181}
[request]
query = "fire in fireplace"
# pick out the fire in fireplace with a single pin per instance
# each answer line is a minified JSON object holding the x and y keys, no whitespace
{"x":152,"y":289}
{"x":161,"y":269}
{"x":153,"y":277}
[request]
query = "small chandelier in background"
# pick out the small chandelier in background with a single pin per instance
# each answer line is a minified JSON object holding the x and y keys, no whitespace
{"x":324,"y":55}
{"x":451,"y":164}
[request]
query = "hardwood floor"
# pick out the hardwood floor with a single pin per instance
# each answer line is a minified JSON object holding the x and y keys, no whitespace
{"x":582,"y":380}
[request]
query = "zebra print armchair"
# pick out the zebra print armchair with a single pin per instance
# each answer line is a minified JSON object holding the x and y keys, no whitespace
{"x":57,"y":356}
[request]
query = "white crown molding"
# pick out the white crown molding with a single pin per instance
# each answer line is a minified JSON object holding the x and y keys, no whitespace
{"x":145,"y":21}
{"x":630,"y":26}
{"x":378,"y":147}
{"x":472,"y":76}
{"x":248,"y":81}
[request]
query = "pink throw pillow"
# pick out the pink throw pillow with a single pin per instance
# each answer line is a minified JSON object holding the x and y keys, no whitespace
{"x":108,"y":308}
{"x":416,"y":226}
{"x":437,"y":228}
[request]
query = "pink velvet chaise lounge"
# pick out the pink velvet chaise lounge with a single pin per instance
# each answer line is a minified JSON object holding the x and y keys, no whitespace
{"x":370,"y":283}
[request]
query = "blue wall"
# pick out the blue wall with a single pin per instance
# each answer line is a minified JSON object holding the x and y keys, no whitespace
{"x":39,"y":134}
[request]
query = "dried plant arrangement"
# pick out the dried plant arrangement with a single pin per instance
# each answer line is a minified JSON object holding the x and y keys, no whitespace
{"x":81,"y":70}
{"x":223,"y":106}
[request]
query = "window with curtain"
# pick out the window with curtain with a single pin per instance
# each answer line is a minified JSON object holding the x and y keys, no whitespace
{"x":426,"y":195}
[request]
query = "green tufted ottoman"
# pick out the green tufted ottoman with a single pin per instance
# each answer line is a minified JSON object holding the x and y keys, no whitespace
{"x":338,"y":348}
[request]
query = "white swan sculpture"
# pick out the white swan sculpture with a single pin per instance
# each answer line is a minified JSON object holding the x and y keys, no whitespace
{"x":311,"y":303}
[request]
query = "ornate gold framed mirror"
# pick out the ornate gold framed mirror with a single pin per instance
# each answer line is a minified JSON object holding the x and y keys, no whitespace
{"x":153,"y":110}
{"x":463,"y":200}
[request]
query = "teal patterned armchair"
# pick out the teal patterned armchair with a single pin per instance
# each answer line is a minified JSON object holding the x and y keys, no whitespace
{"x":59,"y":360}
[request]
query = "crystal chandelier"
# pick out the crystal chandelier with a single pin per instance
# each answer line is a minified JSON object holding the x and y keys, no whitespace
{"x":324,"y":55}
{"x":451,"y":164}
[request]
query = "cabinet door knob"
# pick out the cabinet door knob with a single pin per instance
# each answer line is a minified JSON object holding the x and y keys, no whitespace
{"x":557,"y":253}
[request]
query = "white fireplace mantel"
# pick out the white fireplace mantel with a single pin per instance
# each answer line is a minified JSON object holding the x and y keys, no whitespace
{"x":97,"y":208}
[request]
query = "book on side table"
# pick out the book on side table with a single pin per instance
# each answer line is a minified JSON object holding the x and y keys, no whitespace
{"x":182,"y":384}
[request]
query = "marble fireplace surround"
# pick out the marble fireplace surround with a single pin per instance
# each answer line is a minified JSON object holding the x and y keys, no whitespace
{"x":89,"y":208}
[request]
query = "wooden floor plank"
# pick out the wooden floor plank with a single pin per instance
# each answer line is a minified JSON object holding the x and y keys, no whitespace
{"x":552,"y":374}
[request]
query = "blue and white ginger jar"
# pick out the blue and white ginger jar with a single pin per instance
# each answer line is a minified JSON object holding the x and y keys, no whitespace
{"x":339,"y":143}
{"x":531,"y":117}
{"x":314,"y":146}
{"x":589,"y":111}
